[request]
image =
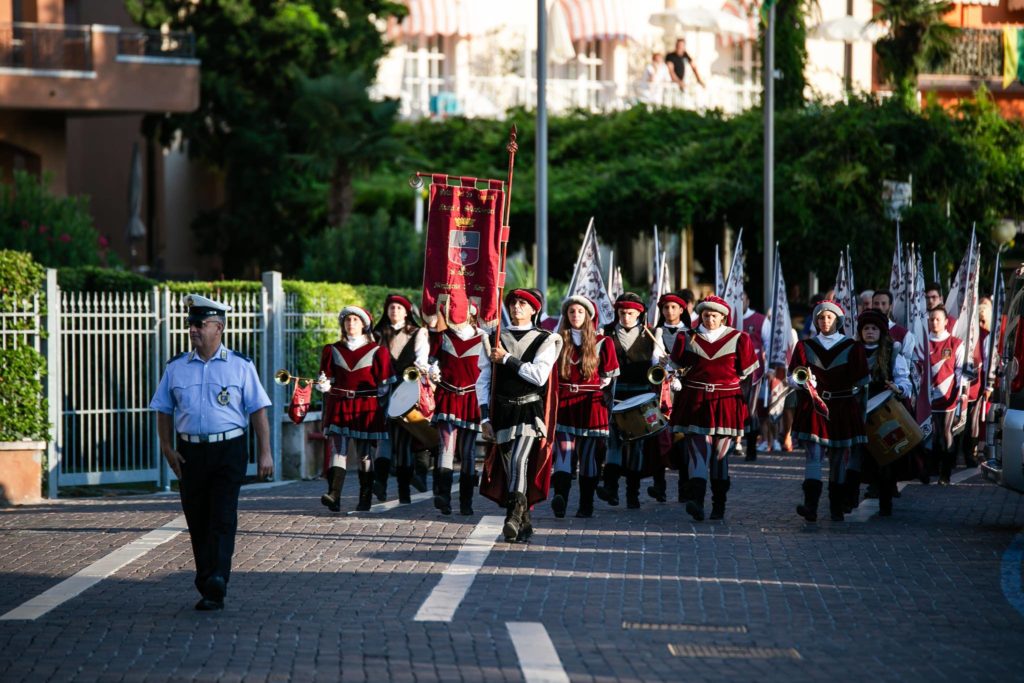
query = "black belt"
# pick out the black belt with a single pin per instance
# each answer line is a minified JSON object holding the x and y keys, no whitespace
{"x":518,"y":400}
{"x":352,"y":393}
{"x":458,"y":391}
{"x":845,"y":393}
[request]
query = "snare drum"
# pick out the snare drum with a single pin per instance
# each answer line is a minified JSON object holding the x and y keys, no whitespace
{"x":407,"y":407}
{"x":639,"y":416}
{"x":890,"y":428}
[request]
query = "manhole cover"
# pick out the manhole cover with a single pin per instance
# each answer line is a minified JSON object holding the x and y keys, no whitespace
{"x":732,"y":652}
{"x":689,"y":628}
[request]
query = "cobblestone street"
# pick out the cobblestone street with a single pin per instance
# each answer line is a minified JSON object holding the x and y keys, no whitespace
{"x":930,"y":594}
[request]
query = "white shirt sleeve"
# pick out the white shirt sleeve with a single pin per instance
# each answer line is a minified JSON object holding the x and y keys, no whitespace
{"x":901,"y":376}
{"x":483,"y":382}
{"x":421,"y":347}
{"x":538,"y":371}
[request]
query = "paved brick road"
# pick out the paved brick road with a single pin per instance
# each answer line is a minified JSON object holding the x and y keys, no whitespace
{"x":629,"y":595}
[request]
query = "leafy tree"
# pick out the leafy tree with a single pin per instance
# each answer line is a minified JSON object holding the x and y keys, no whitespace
{"x":918,"y":38}
{"x":255,"y":54}
{"x":790,"y":50}
{"x":345,"y":133}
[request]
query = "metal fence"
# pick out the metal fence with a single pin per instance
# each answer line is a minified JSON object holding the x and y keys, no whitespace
{"x":105,"y":355}
{"x":35,"y":46}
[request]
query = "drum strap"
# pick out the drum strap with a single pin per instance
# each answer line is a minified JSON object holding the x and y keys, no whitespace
{"x":846,"y":393}
{"x":577,"y":388}
{"x":518,"y":400}
{"x":458,"y":391}
{"x":348,"y":393}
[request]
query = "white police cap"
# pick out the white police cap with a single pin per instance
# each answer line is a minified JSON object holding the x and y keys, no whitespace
{"x":200,"y":307}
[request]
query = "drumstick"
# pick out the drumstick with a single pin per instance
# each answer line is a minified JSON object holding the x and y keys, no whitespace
{"x":655,"y":340}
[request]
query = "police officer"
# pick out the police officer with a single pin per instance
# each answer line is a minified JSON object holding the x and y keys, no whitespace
{"x":207,"y":396}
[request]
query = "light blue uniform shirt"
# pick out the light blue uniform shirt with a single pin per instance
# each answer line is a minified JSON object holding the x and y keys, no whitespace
{"x":210,"y":397}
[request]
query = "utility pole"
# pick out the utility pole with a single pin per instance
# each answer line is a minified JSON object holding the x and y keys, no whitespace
{"x":769,"y":155}
{"x":541,"y":267}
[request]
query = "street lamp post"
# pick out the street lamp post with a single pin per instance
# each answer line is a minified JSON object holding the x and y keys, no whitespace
{"x":541,"y":271}
{"x":769,"y":155}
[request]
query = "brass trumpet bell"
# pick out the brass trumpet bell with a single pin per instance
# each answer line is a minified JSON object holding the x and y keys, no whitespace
{"x":411,"y":374}
{"x":801,"y":375}
{"x":283,"y":377}
{"x":657,"y":374}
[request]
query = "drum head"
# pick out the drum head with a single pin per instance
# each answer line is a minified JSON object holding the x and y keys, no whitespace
{"x":404,"y":398}
{"x":876,"y":401}
{"x":631,"y":403}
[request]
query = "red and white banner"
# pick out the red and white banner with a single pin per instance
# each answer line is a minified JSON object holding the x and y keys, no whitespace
{"x":465,"y":246}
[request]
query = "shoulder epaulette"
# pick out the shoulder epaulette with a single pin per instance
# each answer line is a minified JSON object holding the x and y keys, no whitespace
{"x":242,"y":356}
{"x":174,"y":358}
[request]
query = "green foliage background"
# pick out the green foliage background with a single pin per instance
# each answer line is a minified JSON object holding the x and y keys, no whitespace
{"x":22,"y":406}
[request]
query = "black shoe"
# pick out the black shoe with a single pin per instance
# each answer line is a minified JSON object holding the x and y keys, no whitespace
{"x":525,"y":528}
{"x":516,"y":506}
{"x":215,"y":588}
{"x":696,"y":490}
{"x":466,"y":494}
{"x":836,"y":501}
{"x":609,"y":489}
{"x":561,"y":484}
{"x":365,"y":491}
{"x":208,"y":605}
{"x":719,"y":491}
{"x":443,"y":499}
{"x":587,"y":487}
{"x":421,"y":467}
{"x":871,"y":492}
{"x":632,"y":491}
{"x":404,"y":476}
{"x":657,"y":493}
{"x":335,"y":480}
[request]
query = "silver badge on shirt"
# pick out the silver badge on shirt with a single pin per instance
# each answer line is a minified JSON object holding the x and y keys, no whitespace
{"x":224,"y":397}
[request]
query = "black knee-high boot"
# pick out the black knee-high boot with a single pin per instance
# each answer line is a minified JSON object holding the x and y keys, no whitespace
{"x":404,"y":476}
{"x":658,"y":488}
{"x":812,"y":494}
{"x":526,"y":525}
{"x":851,"y":498}
{"x":466,"y":485}
{"x":421,"y":466}
{"x":587,"y":486}
{"x":719,"y":489}
{"x":381,"y":470}
{"x":443,"y":499}
{"x":696,"y":490}
{"x":633,"y":490}
{"x":335,"y":480}
{"x":561,"y":483}
{"x":609,"y":490}
{"x":751,"y":443}
{"x":885,"y":490}
{"x":365,"y":491}
{"x":836,"y":501}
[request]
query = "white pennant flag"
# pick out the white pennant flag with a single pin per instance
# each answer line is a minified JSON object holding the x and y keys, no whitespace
{"x":917,"y":324}
{"x":779,"y":348}
{"x":897,"y":284}
{"x":966,"y":328}
{"x":733,"y":294}
{"x":719,"y":284}
{"x":958,"y":288}
{"x":615,"y":288}
{"x":587,"y":279}
{"x":842,"y":292}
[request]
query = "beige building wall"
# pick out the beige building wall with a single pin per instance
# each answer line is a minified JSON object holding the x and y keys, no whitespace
{"x":42,"y":134}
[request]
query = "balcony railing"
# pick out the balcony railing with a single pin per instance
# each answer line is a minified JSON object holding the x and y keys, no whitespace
{"x":46,"y":47}
{"x":977,"y":52}
{"x":156,"y":44}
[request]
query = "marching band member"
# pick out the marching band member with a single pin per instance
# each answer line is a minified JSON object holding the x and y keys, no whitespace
{"x":830,"y":410}
{"x":758,"y":328}
{"x":407,"y":345}
{"x":710,"y":410}
{"x":887,"y":369}
{"x":522,"y":413}
{"x":946,"y":358}
{"x":978,"y":394}
{"x":586,"y":366}
{"x":675,"y":318}
{"x":455,"y":355}
{"x":634,"y":349}
{"x":354,"y":375}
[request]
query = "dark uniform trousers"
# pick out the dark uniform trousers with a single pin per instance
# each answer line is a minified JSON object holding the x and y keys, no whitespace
{"x":210,"y":481}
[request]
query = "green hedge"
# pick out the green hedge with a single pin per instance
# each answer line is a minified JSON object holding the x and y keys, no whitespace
{"x":22,"y":406}
{"x":96,"y":279}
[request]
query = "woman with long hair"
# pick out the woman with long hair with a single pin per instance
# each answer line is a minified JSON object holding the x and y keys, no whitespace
{"x":407,"y":345}
{"x":586,"y":365}
{"x":354,"y":375}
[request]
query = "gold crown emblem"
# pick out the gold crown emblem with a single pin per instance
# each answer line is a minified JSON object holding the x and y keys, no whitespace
{"x":464,"y":221}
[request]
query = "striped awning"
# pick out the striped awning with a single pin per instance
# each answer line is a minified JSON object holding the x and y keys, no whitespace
{"x":431,"y":18}
{"x":597,"y":19}
{"x":984,"y":3}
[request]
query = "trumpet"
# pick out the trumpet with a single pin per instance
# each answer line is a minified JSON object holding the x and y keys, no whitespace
{"x":801,"y":375}
{"x":657,"y":374}
{"x":411,"y":374}
{"x":283,"y":377}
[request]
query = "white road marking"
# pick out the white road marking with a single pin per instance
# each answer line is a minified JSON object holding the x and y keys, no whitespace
{"x":538,"y":658}
{"x":95,"y":572}
{"x":442,"y":602}
{"x":869,"y":507}
{"x":964,"y":475}
{"x":1010,"y":573}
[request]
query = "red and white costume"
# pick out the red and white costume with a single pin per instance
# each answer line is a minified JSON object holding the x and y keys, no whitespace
{"x":711,"y":400}
{"x":456,"y":354}
{"x":758,"y":328}
{"x":840,"y":369}
{"x":359,"y":371}
{"x":946,"y":358}
{"x":582,"y":401}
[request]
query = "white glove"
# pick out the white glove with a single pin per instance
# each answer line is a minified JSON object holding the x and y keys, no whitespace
{"x":323,"y":385}
{"x":676,"y":385}
{"x":434,"y":373}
